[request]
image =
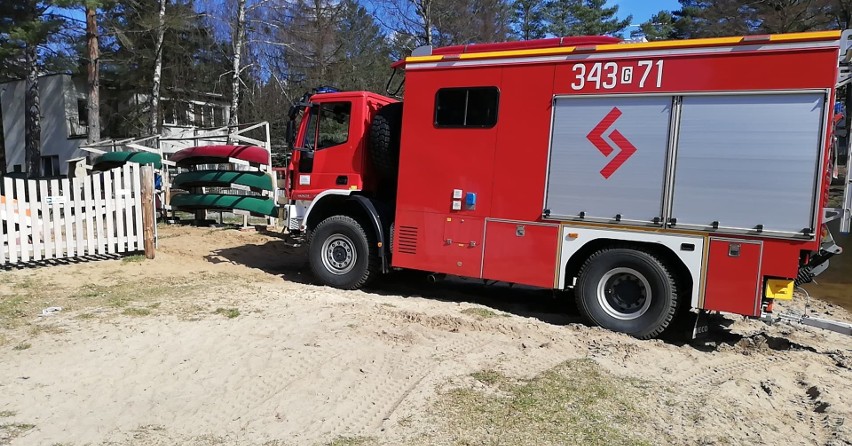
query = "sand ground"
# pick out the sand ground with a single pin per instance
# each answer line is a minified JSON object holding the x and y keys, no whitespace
{"x":222,"y":339}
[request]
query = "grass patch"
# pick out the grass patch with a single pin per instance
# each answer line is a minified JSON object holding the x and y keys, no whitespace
{"x":229,"y":313}
{"x":7,"y":413}
{"x":86,"y":316}
{"x":36,"y":330}
{"x":488,"y":377}
{"x":136,"y":258}
{"x":123,"y":294}
{"x":9,"y":431}
{"x":22,"y":346}
{"x":573,"y":403}
{"x":351,"y":441}
{"x":133,"y":311}
{"x":12,"y":308}
{"x":26,"y":284}
{"x":119,"y":301}
{"x":482,"y":313}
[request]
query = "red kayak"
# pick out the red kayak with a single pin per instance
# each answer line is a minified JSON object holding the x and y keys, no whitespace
{"x":219,"y":154}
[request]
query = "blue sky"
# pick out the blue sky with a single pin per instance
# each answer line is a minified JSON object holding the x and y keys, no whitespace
{"x":643,"y":9}
{"x":640,"y":9}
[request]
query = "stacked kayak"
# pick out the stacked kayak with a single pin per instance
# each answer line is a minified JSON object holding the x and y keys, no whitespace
{"x":220,"y":154}
{"x":260,"y":183}
{"x":220,"y":202}
{"x":111,"y":160}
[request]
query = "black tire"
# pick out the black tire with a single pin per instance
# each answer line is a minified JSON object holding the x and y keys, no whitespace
{"x":341,"y":254}
{"x":628,"y":291}
{"x":384,"y":140}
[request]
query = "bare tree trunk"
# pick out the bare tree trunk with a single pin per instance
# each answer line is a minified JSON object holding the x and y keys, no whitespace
{"x":239,"y":37}
{"x":32,"y":120}
{"x":2,"y":146}
{"x":426,"y":14}
{"x":93,"y":96}
{"x":154,"y":102}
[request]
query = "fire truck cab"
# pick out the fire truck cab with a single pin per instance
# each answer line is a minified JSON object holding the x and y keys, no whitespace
{"x":650,"y":178}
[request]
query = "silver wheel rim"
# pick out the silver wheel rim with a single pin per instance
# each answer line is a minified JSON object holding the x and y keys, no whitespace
{"x":338,"y":254}
{"x":624,"y":294}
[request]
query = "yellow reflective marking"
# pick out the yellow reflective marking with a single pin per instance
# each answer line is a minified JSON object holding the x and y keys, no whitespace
{"x":416,"y":59}
{"x":662,"y":44}
{"x":515,"y":53}
{"x":817,"y":35}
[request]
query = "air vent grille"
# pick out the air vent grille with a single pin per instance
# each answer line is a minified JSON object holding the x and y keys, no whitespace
{"x":408,"y":239}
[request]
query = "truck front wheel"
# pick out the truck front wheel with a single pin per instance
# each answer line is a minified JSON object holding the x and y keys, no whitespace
{"x":341,"y":254}
{"x":628,"y":291}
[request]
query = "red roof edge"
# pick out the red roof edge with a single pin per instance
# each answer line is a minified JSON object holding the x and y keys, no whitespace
{"x":551,"y":42}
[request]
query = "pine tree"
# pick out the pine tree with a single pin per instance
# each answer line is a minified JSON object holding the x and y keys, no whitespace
{"x":25,"y":25}
{"x":660,"y":26}
{"x":714,"y":18}
{"x":528,"y":19}
{"x":93,"y":119}
{"x":365,"y":54}
{"x":583,"y":18}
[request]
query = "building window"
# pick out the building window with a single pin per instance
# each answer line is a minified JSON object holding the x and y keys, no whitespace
{"x":334,"y":123}
{"x":82,"y":112}
{"x":50,"y":165}
{"x":167,"y":108}
{"x":78,"y":126}
{"x":182,"y":112}
{"x":207,"y":115}
{"x":219,"y":116}
{"x":466,"y":107}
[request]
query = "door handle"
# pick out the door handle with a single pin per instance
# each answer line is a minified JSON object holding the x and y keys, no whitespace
{"x":342,"y":180}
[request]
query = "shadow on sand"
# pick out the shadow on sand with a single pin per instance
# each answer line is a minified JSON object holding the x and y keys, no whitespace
{"x":287,"y":259}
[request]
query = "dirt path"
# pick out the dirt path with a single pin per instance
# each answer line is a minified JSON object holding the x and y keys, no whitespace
{"x":222,"y":340}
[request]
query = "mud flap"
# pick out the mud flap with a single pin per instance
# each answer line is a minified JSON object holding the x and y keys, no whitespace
{"x":700,"y":325}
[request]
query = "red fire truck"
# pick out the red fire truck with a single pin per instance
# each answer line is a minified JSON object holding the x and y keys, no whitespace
{"x":649,"y":178}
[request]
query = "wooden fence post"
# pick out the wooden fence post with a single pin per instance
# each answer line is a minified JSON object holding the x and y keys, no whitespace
{"x":148,"y":217}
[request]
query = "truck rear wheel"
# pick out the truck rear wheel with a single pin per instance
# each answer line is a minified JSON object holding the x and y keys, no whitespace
{"x":341,"y":254}
{"x":628,"y":291}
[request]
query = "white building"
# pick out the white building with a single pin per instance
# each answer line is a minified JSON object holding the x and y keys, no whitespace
{"x":62,"y":100}
{"x":64,"y":115}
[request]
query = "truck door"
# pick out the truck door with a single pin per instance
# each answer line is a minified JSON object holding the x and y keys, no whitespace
{"x":445,"y":184}
{"x":328,"y":159}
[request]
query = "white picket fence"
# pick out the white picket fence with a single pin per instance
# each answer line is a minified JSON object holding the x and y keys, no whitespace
{"x":99,"y":214}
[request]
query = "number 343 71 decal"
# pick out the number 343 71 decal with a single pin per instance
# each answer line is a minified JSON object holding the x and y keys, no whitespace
{"x":608,"y":75}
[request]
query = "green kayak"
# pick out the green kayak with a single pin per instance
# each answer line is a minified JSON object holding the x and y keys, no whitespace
{"x":111,"y":160}
{"x":255,"y":205}
{"x":223,"y":178}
